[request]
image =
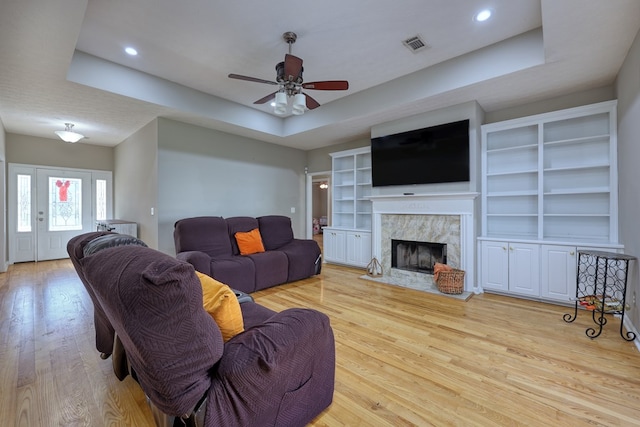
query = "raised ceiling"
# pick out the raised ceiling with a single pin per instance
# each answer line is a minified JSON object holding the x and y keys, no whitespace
{"x":64,"y":61}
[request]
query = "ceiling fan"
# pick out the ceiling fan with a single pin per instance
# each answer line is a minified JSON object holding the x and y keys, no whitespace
{"x":289,"y":80}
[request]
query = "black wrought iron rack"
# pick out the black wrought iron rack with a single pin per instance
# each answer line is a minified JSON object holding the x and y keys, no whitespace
{"x":602,"y":289}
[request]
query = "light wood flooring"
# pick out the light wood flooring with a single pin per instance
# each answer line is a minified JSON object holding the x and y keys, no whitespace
{"x":404,"y":357}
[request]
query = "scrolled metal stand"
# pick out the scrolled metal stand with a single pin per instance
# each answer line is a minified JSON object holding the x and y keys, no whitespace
{"x":601,"y":287}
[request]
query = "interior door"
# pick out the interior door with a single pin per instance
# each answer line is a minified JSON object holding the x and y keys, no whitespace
{"x":63,"y":210}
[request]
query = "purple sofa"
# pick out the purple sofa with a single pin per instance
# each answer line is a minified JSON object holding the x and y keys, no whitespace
{"x":208,"y":243}
{"x":279,"y":372}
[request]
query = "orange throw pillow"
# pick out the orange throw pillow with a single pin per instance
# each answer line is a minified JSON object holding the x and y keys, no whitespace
{"x":249,"y":242}
{"x":222,"y":304}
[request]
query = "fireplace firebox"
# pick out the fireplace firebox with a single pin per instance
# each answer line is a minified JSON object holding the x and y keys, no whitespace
{"x":417,"y":256}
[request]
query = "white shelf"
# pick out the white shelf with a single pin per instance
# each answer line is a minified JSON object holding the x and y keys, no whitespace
{"x":348,"y":239}
{"x":351,"y":189}
{"x":577,"y":167}
{"x":578,"y":215}
{"x":513,"y":215}
{"x":552,"y":176}
{"x":569,"y":191}
{"x":521,"y":172}
{"x":581,"y":140}
{"x":513,"y":193}
{"x":512,"y":149}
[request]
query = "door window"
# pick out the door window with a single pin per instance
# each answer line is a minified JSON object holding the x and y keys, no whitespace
{"x":65,"y":204}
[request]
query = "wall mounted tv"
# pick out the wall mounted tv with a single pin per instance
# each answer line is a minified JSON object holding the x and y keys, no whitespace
{"x":424,"y":156}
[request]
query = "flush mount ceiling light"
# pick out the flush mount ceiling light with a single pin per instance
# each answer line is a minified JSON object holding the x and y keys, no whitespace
{"x":68,"y":135}
{"x":483,"y":15}
{"x":131,"y":51}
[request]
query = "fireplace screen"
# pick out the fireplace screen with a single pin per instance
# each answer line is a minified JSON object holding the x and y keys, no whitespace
{"x":417,"y":256}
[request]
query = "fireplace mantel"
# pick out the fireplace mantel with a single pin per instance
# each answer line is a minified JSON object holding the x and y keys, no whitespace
{"x":433,"y":203}
{"x":462,"y":205}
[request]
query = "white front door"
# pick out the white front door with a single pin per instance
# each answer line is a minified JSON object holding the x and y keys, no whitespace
{"x":48,"y":206}
{"x":63,"y":209}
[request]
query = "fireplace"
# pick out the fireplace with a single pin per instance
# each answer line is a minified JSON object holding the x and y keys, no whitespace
{"x":446,"y":218}
{"x":411,"y":255}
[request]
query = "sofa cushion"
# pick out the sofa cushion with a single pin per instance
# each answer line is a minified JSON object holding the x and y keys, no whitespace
{"x":271,"y":268}
{"x":254,"y":314}
{"x":303,"y":257}
{"x":206,"y":234}
{"x":275,"y":230}
{"x":239,"y":224}
{"x":249,"y":242}
{"x":222,"y":305}
{"x":154,"y":303}
{"x":238,"y":272}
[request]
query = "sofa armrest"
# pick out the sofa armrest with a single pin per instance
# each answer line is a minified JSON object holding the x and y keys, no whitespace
{"x":284,"y":369}
{"x":199,"y":260}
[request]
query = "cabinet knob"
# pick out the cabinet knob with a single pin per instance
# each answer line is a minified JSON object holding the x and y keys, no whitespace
{"x":510,"y":248}
{"x":504,"y":248}
{"x":572,"y":253}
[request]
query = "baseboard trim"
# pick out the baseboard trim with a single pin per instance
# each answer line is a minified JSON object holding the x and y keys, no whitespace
{"x":630,"y":328}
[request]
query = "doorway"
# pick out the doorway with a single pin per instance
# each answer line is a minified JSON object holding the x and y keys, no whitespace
{"x":49,"y":206}
{"x":318,"y":204}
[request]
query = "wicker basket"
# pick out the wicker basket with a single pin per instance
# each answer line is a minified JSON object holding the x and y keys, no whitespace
{"x":451,"y":282}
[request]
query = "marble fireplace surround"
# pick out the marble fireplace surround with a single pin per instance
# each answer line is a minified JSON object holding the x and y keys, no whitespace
{"x":438,"y":217}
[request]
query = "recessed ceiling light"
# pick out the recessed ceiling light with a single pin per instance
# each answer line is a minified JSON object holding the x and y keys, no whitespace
{"x":131,"y":51}
{"x":483,"y":15}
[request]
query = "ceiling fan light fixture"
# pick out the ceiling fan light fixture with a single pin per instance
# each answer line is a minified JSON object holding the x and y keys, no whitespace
{"x":281,"y":103}
{"x":68,"y":135}
{"x":299,"y":104}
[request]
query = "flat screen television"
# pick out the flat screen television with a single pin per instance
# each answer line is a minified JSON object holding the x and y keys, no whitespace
{"x":423,"y":156}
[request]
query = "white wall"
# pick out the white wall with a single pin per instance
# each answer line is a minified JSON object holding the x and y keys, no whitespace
{"x":628,"y":93}
{"x":206,"y":172}
{"x":135,"y":185}
{"x":593,"y":96}
{"x":33,"y":150}
{"x":3,"y":200}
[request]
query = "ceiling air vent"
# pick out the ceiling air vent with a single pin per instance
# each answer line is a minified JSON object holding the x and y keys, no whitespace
{"x":415,"y":44}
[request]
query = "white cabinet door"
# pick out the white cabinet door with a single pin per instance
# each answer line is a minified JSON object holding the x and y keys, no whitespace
{"x":524,"y":269}
{"x":358,"y":248}
{"x":558,"y":272}
{"x":495,"y":266}
{"x":334,"y":245}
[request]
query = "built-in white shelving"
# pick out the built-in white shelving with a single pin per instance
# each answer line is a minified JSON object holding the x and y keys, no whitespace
{"x":552,"y":176}
{"x":549,"y":188}
{"x":348,"y":239}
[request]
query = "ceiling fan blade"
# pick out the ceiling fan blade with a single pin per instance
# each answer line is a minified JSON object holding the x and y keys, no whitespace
{"x":327,"y":85}
{"x":251,"y":79}
{"x":266,"y":98}
{"x":311,"y":103}
{"x":292,"y":68}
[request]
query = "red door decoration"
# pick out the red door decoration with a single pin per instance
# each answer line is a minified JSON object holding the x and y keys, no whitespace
{"x":63,"y":187}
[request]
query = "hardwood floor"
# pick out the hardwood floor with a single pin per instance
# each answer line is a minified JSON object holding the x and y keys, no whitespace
{"x":403,"y":357}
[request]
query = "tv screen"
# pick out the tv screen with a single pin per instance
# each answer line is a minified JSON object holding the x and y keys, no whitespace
{"x":423,"y":156}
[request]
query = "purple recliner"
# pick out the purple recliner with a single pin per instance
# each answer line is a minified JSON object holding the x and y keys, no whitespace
{"x":278,"y":372}
{"x":76,"y":250}
{"x":208,"y":243}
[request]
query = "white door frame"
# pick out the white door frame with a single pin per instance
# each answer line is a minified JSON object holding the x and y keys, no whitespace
{"x":309,"y":201}
{"x":30,"y":238}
